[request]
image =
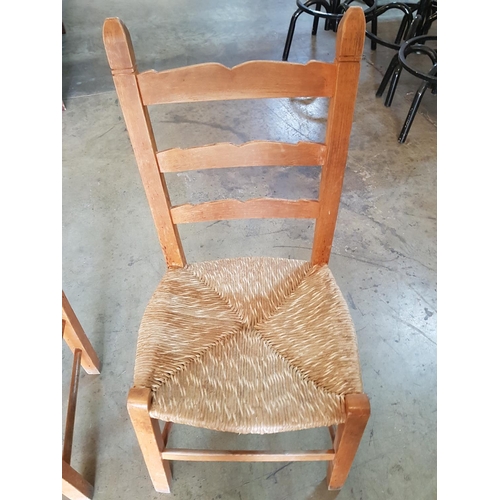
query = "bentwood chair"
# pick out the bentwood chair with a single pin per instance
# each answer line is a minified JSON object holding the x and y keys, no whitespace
{"x":412,"y":45}
{"x":245,"y":345}
{"x":423,"y":11}
{"x":334,"y":11}
{"x":74,"y":485}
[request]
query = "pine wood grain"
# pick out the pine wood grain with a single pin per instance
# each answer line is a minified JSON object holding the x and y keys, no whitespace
{"x":256,"y":208}
{"x":249,"y":154}
{"x":250,"y":80}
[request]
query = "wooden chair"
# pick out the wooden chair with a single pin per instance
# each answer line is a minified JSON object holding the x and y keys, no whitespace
{"x":74,"y":485}
{"x":248,"y":345}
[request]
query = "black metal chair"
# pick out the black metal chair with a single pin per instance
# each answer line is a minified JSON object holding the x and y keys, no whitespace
{"x":426,"y":10}
{"x":406,"y":21}
{"x":415,"y":44}
{"x":334,"y":11}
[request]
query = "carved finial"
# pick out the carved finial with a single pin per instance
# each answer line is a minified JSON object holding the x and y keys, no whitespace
{"x":118,"y":46}
{"x":351,"y":35}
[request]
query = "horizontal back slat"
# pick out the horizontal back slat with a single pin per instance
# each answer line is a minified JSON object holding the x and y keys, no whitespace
{"x":250,"y":80}
{"x":250,"y":154}
{"x":257,"y":208}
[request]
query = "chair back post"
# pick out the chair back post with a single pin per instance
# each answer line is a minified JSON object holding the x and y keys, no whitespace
{"x":121,"y":60}
{"x":350,"y":42}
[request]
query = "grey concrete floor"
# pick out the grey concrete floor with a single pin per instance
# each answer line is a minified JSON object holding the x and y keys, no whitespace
{"x":383,"y":257}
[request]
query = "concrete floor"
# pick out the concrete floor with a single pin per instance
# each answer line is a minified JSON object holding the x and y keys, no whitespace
{"x":384,"y":252}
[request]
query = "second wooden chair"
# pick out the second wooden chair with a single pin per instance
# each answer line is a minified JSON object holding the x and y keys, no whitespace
{"x":74,"y":485}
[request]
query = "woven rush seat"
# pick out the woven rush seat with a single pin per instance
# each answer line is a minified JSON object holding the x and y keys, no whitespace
{"x":248,"y":345}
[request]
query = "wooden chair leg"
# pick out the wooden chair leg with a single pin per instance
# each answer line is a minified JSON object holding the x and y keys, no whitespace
{"x":75,"y":337}
{"x":150,"y":438}
{"x":347,"y":439}
{"x":74,"y":485}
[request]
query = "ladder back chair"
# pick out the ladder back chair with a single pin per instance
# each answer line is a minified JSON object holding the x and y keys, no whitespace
{"x":74,"y":485}
{"x":246,"y":345}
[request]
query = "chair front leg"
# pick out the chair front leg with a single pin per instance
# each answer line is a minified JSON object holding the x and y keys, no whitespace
{"x":347,"y":439}
{"x":412,"y":112}
{"x":388,"y":75}
{"x":289,"y":36}
{"x":393,"y":85}
{"x":150,"y":438}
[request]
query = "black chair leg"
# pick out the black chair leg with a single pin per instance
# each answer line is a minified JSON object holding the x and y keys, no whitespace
{"x":336,"y":9}
{"x":387,"y":76}
{"x":402,"y":32}
{"x":289,"y":36}
{"x":392,"y":86}
{"x":316,"y":20}
{"x":413,"y":111}
{"x":374,"y":31}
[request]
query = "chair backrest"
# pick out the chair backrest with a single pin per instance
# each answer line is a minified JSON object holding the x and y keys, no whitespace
{"x":251,"y":80}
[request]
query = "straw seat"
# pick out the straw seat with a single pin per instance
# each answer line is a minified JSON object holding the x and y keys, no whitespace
{"x":248,"y":345}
